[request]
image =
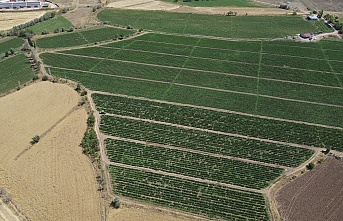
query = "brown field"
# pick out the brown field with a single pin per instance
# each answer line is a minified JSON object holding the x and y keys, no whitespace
{"x":139,"y":214}
{"x":52,"y":180}
{"x":164,"y":6}
{"x":10,"y":19}
{"x":316,"y":195}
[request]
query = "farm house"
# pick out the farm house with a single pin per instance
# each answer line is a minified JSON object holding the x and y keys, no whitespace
{"x":313,"y":17}
{"x":11,"y":5}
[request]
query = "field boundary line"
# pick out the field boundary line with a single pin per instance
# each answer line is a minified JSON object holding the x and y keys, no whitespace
{"x":187,"y":177}
{"x":180,"y":71}
{"x":208,"y":71}
{"x":215,"y":109}
{"x":204,"y":88}
{"x":215,"y":132}
{"x":48,"y":131}
{"x":329,"y":64}
{"x":197,"y":152}
{"x":258,"y":77}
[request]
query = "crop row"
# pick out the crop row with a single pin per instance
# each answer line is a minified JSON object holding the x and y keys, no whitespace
{"x":219,"y":121}
{"x":15,"y":71}
{"x":204,"y":141}
{"x":192,"y":164}
{"x":210,"y":25}
{"x":206,"y":199}
{"x":10,"y":43}
{"x":203,"y":97}
{"x":82,"y":37}
{"x":226,"y":82}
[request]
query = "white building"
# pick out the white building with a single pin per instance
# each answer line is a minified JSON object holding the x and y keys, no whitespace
{"x":312,"y":17}
{"x":13,"y":5}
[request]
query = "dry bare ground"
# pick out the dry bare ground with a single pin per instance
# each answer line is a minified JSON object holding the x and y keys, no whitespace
{"x":316,"y":195}
{"x":164,"y":6}
{"x":10,"y":19}
{"x":6,"y":214}
{"x":139,"y":214}
{"x":52,"y":180}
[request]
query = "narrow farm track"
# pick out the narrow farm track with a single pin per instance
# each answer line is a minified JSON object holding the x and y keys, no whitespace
{"x":47,"y":131}
{"x":196,"y":151}
{"x":186,"y":177}
{"x":215,"y":109}
{"x":215,"y":132}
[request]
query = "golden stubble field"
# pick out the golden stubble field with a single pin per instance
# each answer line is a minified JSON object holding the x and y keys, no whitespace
{"x":52,"y":180}
{"x":10,"y":19}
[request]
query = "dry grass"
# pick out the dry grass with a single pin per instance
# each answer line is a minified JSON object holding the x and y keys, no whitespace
{"x":10,"y":19}
{"x":139,"y":214}
{"x":53,"y":180}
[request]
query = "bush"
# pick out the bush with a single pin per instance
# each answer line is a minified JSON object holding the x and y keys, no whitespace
{"x":45,"y":78}
{"x":36,"y":77}
{"x":35,"y":139}
{"x":116,"y":202}
{"x":91,"y":120}
{"x":310,"y":166}
{"x":83,"y":93}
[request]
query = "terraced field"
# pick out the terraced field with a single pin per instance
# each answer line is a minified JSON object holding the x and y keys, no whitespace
{"x":206,"y":125}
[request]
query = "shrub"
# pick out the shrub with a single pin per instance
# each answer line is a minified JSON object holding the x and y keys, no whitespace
{"x":45,"y":78}
{"x":35,"y":139}
{"x":310,"y":166}
{"x":116,"y":202}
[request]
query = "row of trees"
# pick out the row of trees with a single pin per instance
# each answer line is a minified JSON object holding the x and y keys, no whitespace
{"x":334,"y":20}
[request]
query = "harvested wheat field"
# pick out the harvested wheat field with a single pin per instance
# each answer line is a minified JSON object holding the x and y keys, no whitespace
{"x":52,"y":180}
{"x":10,"y":19}
{"x":139,"y":214}
{"x":316,"y":195}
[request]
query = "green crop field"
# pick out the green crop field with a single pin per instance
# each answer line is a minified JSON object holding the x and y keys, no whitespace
{"x":51,"y":25}
{"x":8,"y":43}
{"x":210,"y":25}
{"x":216,"y":3}
{"x":204,"y":124}
{"x":15,"y":70}
{"x":82,"y":37}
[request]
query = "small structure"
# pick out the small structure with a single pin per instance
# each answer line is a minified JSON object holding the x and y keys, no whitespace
{"x":306,"y":36}
{"x":14,"y":5}
{"x":313,"y":17}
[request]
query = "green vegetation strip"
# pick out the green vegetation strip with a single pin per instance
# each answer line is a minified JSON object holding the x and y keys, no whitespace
{"x":15,"y":70}
{"x":227,"y":83}
{"x":9,"y":43}
{"x":218,"y":121}
{"x":204,"y":141}
{"x":292,"y":110}
{"x":192,"y":164}
{"x":82,"y":37}
{"x":206,"y":199}
{"x":210,"y":25}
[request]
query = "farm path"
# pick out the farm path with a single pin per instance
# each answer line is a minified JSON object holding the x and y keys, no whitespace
{"x":196,"y":151}
{"x":206,"y":88}
{"x":48,"y":130}
{"x":216,"y":132}
{"x":214,"y":109}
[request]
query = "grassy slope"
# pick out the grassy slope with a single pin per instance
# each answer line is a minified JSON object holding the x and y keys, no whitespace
{"x":15,"y":70}
{"x":9,"y":43}
{"x":82,"y":37}
{"x":210,"y":25}
{"x":51,"y":24}
{"x":216,"y":3}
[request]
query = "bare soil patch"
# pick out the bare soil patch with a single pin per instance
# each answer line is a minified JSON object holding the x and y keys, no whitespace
{"x":6,"y":214}
{"x":53,"y":180}
{"x":332,"y":5}
{"x":316,"y":195}
{"x":139,"y":214}
{"x":81,"y":17}
{"x":10,"y":19}
{"x":165,"y":6}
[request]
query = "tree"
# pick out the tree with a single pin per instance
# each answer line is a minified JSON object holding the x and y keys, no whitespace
{"x":12,"y":51}
{"x":6,"y":54}
{"x":116,"y":202}
{"x":310,"y":166}
{"x":35,"y":139}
